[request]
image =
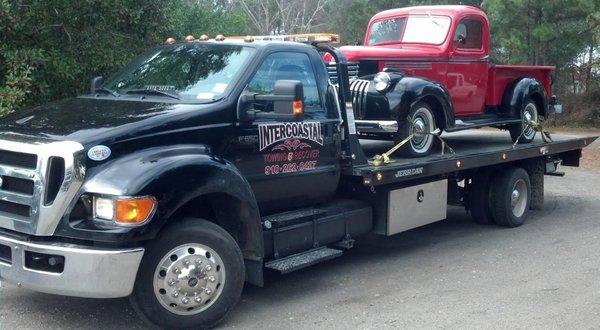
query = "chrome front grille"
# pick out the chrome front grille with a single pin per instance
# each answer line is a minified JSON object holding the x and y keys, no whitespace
{"x":332,"y":70}
{"x":34,"y":190}
{"x":359,"y":89}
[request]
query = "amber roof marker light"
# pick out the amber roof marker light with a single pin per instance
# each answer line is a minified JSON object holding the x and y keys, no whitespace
{"x":190,"y":39}
{"x":170,"y":41}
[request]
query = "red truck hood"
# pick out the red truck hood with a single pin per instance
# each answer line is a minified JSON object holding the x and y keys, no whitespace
{"x":356,"y":53}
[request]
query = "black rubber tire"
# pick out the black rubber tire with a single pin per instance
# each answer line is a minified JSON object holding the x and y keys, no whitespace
{"x":501,"y":191}
{"x":479,"y":199}
{"x":143,"y":299}
{"x":516,"y":129}
{"x":404,"y":130}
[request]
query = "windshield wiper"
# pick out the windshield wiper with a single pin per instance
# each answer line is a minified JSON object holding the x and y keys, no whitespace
{"x":433,"y":20}
{"x":152,"y":92}
{"x":107,"y":90}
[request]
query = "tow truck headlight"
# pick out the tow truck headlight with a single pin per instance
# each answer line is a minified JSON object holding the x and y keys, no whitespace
{"x":382,"y":81}
{"x":129,"y":211}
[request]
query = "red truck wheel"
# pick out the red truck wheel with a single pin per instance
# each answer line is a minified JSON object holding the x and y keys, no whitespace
{"x":523,"y":132}
{"x":420,"y":145}
{"x":190,"y":277}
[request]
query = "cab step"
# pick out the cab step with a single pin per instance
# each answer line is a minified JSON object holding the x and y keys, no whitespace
{"x":303,"y":259}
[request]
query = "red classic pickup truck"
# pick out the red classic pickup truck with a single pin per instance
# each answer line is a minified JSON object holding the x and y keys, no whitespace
{"x":432,"y":63}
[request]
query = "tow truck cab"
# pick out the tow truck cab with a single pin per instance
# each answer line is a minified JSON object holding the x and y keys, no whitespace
{"x":201,"y":164}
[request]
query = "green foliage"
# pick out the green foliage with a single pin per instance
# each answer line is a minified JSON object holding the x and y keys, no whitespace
{"x":525,"y":31}
{"x":51,"y":48}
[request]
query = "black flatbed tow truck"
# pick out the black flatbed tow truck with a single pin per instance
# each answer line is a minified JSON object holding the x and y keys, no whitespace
{"x":174,"y":184}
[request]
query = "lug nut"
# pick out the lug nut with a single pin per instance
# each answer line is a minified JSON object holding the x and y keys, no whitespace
{"x":185,"y":300}
{"x":208,"y":268}
{"x":172,"y":282}
{"x":198,"y":299}
{"x":186,"y":263}
{"x":208,"y":291}
{"x":211,"y":278}
{"x":198,"y":262}
{"x":175,"y":294}
{"x":176,"y":270}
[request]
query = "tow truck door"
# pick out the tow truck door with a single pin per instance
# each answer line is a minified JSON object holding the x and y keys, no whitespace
{"x":291,"y":163}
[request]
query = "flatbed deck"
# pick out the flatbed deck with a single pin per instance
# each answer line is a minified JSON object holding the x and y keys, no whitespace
{"x":473,"y":149}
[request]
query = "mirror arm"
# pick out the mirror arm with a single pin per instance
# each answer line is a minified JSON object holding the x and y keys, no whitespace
{"x":96,"y":81}
{"x":276,"y":116}
{"x":252,"y":115}
{"x":274,"y":98}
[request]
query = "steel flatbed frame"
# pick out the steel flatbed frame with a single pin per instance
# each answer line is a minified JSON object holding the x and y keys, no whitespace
{"x":473,"y":150}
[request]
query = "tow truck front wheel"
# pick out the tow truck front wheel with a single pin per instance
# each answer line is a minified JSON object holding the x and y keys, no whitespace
{"x":191,"y":276}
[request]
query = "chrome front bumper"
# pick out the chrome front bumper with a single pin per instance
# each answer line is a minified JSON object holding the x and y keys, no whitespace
{"x":88,"y":271}
{"x":377,"y":126}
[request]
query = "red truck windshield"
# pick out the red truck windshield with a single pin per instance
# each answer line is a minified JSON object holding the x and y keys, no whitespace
{"x":421,"y":29}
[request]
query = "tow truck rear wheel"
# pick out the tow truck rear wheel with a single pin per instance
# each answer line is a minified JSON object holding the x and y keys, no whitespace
{"x":190,"y":277}
{"x":423,"y":119}
{"x":478,"y":198}
{"x":510,"y":197}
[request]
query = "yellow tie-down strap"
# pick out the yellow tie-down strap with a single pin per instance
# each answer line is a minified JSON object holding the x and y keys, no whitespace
{"x":379,"y":160}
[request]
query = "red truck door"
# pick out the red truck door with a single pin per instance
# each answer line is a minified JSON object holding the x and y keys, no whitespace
{"x":467,"y":74}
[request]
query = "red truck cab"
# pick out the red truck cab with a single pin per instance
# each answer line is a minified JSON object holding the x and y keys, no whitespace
{"x":450,"y":45}
{"x":447,"y":44}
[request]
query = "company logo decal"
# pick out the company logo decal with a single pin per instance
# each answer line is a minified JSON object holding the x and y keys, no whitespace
{"x":99,"y":153}
{"x":409,"y":172}
{"x":270,"y":134}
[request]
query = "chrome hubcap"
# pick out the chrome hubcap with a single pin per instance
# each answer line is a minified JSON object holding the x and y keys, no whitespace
{"x":423,"y":122}
{"x":518,"y":198}
{"x":189,"y":279}
{"x":530,"y":115}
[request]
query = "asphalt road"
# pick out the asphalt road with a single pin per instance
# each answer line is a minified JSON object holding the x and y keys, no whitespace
{"x":453,"y":274}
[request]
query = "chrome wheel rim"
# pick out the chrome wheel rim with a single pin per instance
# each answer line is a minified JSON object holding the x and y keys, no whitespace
{"x":423,"y":121}
{"x":530,"y":114}
{"x":189,"y":279}
{"x":518,"y":198}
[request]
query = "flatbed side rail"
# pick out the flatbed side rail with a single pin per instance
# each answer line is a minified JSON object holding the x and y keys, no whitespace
{"x":406,"y":170}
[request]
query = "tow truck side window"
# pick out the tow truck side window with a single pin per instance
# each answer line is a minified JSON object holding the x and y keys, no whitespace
{"x":288,"y":66}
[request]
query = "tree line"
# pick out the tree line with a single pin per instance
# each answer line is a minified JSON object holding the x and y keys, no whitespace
{"x":49,"y":49}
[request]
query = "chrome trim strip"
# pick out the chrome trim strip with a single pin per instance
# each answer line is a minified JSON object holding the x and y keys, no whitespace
{"x":377,"y":126}
{"x":89,"y":272}
{"x":16,"y":198}
{"x":44,"y":218}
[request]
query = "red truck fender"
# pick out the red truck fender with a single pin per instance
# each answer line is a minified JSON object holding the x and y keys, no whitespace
{"x":521,"y":90}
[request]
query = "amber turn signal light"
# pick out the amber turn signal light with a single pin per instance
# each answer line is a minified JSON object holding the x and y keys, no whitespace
{"x":297,"y":108}
{"x":134,"y":211}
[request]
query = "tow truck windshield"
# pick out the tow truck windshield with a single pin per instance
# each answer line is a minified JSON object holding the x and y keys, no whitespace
{"x":189,"y":72}
{"x":421,"y":29}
